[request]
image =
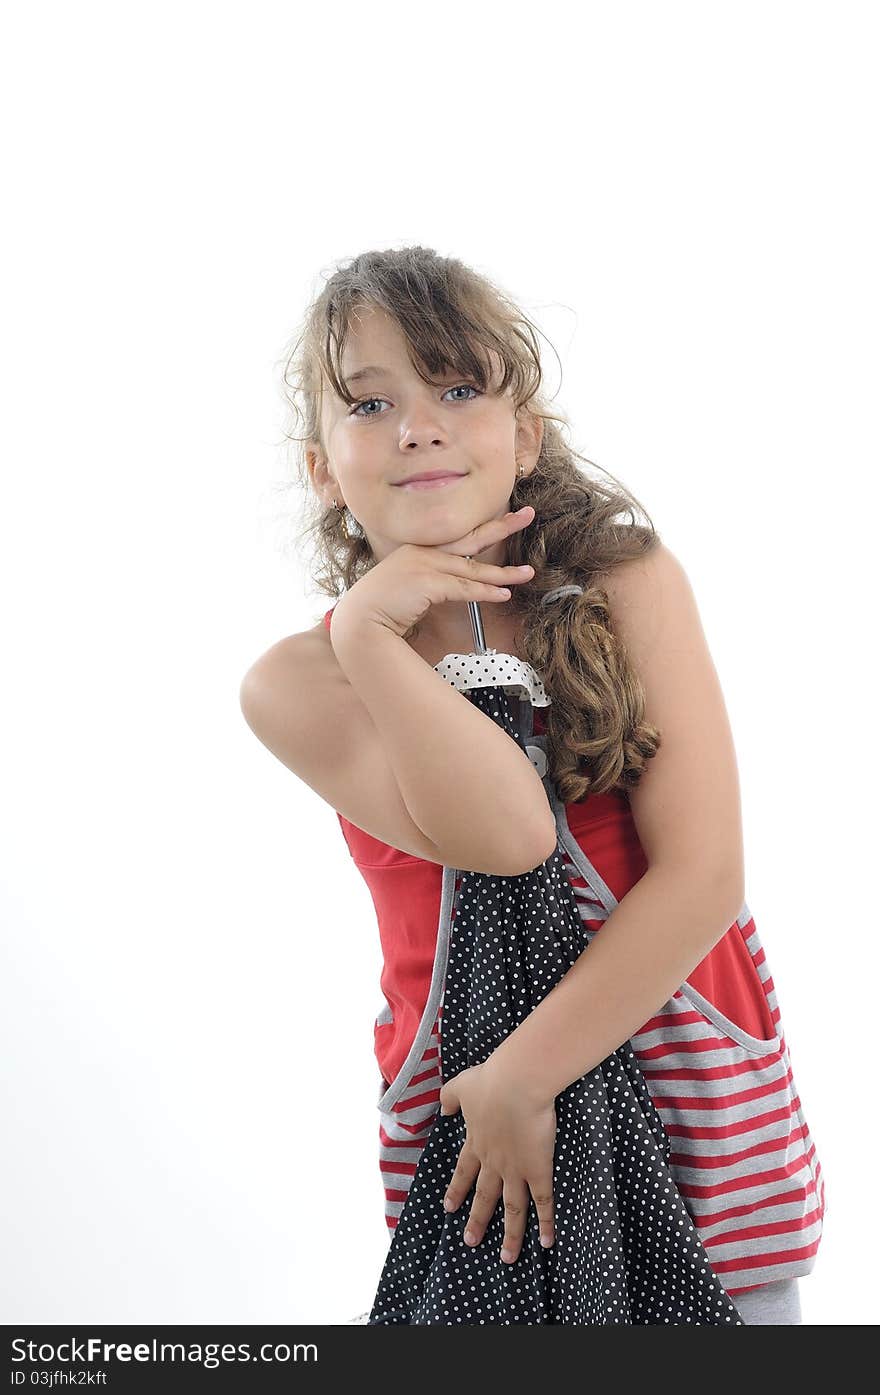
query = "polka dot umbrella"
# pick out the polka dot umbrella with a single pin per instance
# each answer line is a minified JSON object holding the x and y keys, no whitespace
{"x":626,"y":1250}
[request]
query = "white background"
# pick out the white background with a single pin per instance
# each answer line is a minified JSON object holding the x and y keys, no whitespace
{"x":683,"y":197}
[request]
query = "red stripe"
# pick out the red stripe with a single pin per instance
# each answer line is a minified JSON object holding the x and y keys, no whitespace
{"x":697,"y":1072}
{"x":750,"y":1232}
{"x":765,"y":1261}
{"x":412,"y":1142}
{"x":427,"y":1097}
{"x":669,"y":1019}
{"x":740,"y":1127}
{"x":430,"y":1073}
{"x":673,"y":1046}
{"x":777,"y":1199}
{"x":400,"y":1169}
{"x":741,"y":1184}
{"x":714,"y":1102}
{"x":707,"y":1160}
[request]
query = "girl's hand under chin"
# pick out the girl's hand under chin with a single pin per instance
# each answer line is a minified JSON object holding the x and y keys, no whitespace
{"x":400,"y":589}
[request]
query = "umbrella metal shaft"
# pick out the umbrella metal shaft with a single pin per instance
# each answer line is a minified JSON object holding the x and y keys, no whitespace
{"x":477,"y":626}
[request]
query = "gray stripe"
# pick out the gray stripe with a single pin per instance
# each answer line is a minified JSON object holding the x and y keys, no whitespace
{"x":764,"y":1245}
{"x":748,"y":1196}
{"x":398,"y":1182}
{"x":398,"y":1134}
{"x":754,"y":1166}
{"x":723,"y":1147}
{"x":767,"y":1274}
{"x":768,"y":1215}
{"x":724,"y":1114}
{"x":420,"y":1087}
{"x":407,"y":1155}
{"x":712,"y":1089}
{"x":672,"y":1059}
{"x":419,"y":1114}
{"x":703,"y":1030}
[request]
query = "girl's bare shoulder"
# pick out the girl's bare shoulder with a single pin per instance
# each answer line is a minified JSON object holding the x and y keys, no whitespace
{"x":300,"y":705}
{"x":304,"y":647}
{"x":296,"y":682}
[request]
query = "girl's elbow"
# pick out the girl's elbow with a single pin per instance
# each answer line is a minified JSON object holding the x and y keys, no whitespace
{"x":725,"y":892}
{"x":539,"y":848}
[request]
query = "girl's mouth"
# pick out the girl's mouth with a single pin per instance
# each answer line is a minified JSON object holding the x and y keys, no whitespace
{"x":432,"y":484}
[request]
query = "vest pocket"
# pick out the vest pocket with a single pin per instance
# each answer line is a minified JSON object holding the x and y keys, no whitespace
{"x":756,"y":960}
{"x":755,"y":1046}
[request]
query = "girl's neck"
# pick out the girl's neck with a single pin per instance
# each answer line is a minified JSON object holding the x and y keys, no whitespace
{"x":500,"y":630}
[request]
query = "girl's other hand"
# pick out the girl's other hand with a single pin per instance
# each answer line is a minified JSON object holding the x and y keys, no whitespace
{"x":509,"y":1148}
{"x":397,"y":591}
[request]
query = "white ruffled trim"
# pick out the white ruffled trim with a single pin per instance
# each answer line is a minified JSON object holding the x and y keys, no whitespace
{"x":494,"y":669}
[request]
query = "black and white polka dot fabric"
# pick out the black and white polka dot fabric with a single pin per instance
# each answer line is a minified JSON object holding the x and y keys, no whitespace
{"x":626,"y":1250}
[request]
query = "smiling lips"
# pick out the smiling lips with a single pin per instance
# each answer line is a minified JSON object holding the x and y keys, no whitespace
{"x":431,"y":479}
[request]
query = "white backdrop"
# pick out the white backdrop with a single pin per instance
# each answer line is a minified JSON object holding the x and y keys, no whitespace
{"x":681,"y":197}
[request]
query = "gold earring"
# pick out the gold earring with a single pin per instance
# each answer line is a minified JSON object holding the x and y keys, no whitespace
{"x":520,"y":471}
{"x":340,"y":509}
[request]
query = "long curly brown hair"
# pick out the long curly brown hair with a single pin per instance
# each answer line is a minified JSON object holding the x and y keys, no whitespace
{"x":454,"y":318}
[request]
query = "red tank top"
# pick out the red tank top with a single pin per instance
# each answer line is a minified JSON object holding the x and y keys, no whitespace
{"x":714,"y":1058}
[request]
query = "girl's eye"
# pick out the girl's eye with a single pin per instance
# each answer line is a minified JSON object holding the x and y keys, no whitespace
{"x":365,"y":402}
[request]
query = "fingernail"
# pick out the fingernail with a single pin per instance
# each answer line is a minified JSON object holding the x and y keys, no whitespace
{"x":507,"y":1254}
{"x":470,"y":1237}
{"x":546,"y":1240}
{"x":447,"y":1204}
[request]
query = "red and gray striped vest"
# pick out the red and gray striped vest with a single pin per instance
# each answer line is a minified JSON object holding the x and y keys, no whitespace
{"x":714,"y":1058}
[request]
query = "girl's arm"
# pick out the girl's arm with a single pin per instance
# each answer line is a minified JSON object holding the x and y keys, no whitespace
{"x":466,"y":784}
{"x":298,"y":702}
{"x":686,"y":809}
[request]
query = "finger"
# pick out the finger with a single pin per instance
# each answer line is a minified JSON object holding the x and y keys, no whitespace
{"x":489,"y":575}
{"x":542,"y":1195}
{"x":492,"y":531}
{"x":516,"y":1205}
{"x":478,"y":585}
{"x":503,"y":574}
{"x":466,"y":1169}
{"x":506,"y":523}
{"x":486,"y":1197}
{"x":495,"y":574}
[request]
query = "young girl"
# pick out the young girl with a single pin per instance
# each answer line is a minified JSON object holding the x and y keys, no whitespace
{"x":438,"y":475}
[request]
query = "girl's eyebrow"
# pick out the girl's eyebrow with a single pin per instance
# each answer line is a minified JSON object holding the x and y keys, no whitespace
{"x":366,"y":373}
{"x":374,"y":371}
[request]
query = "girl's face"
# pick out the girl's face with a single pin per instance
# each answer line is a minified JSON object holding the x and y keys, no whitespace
{"x":401,"y":426}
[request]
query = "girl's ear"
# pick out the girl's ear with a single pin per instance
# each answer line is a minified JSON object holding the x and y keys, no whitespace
{"x":529,"y":438}
{"x":321,"y":478}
